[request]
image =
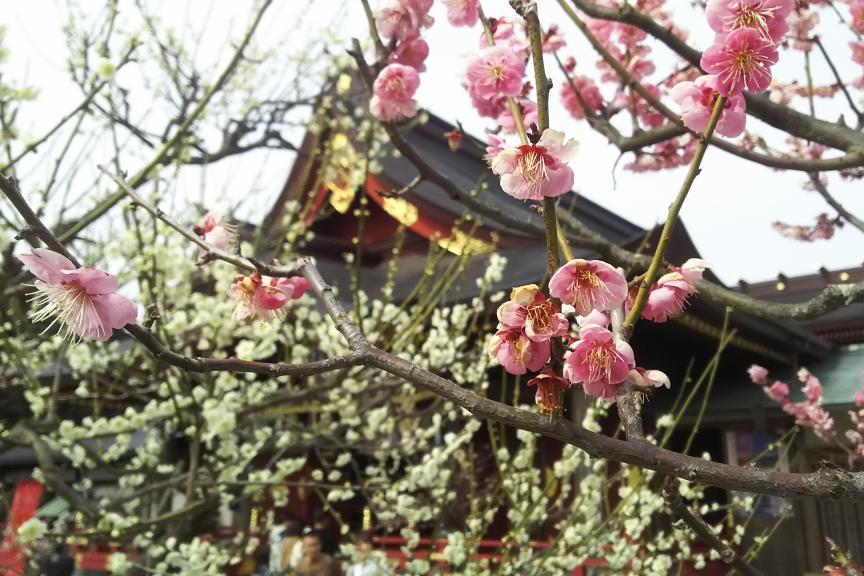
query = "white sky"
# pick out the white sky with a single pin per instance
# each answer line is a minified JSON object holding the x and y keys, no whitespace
{"x":728,"y":213}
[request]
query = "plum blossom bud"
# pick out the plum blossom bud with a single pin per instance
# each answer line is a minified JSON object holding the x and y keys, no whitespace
{"x":649,"y":378}
{"x":454,"y":139}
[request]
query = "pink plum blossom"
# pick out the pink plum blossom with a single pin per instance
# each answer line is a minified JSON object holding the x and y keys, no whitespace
{"x":588,"y":285}
{"x":528,"y":309}
{"x":517,"y":353}
{"x":742,"y":59}
{"x":587,"y":93}
{"x":412,"y":52}
{"x":462,"y":12}
{"x":768,"y":17}
{"x":553,"y":40}
{"x":496,"y":71}
{"x":669,"y":294}
{"x":779,"y":392}
{"x":812,"y":386}
{"x":263,"y":298}
{"x":495,"y":145}
{"x":549,"y":387}
{"x":486,"y":107}
{"x":598,"y":361}
{"x":758,"y":374}
{"x":402,"y":19}
{"x":84,"y":300}
{"x":856,"y":9}
{"x":216,"y":231}
{"x":394,"y":89}
{"x":813,"y":416}
{"x":593,"y":317}
{"x":802,"y":23}
{"x":528,"y":110}
{"x":537,"y":171}
{"x":508,"y":32}
{"x":697,"y":101}
{"x":823,"y":229}
{"x":664,"y":155}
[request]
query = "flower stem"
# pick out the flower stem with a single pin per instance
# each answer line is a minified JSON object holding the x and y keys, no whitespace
{"x":511,"y":102}
{"x":674,"y":209}
{"x":541,"y":86}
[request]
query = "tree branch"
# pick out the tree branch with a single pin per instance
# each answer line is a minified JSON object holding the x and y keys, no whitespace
{"x":820,"y":187}
{"x":854,"y":157}
{"x":780,"y":117}
{"x":145,"y":173}
{"x":704,"y":531}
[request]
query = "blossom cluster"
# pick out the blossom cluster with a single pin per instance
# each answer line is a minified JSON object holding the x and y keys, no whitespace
{"x":401,"y":21}
{"x":85,"y":302}
{"x":531,"y":325}
{"x":741,"y":57}
{"x":809,"y":412}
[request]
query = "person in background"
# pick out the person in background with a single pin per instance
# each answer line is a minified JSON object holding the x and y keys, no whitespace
{"x":365,"y":563}
{"x":275,"y":542}
{"x":314,"y":562}
{"x":323,"y":524}
{"x":292,"y":545}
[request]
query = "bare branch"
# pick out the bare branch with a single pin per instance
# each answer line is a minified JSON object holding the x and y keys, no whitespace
{"x":820,"y":187}
{"x":703,"y":530}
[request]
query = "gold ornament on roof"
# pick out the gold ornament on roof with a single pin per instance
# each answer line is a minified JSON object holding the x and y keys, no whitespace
{"x":401,"y":210}
{"x":460,"y":243}
{"x":342,"y":175}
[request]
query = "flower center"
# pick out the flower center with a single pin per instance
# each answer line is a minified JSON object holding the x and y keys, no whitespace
{"x":520,"y":349}
{"x":71,"y":305}
{"x":540,"y":316}
{"x":752,"y":15}
{"x":531,"y":164}
{"x":745,"y":62}
{"x":395,"y":85}
{"x":599,"y":361}
{"x":497,"y":72}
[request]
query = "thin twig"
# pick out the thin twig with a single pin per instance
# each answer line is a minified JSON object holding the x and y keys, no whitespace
{"x":666,"y":235}
{"x":704,"y":531}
